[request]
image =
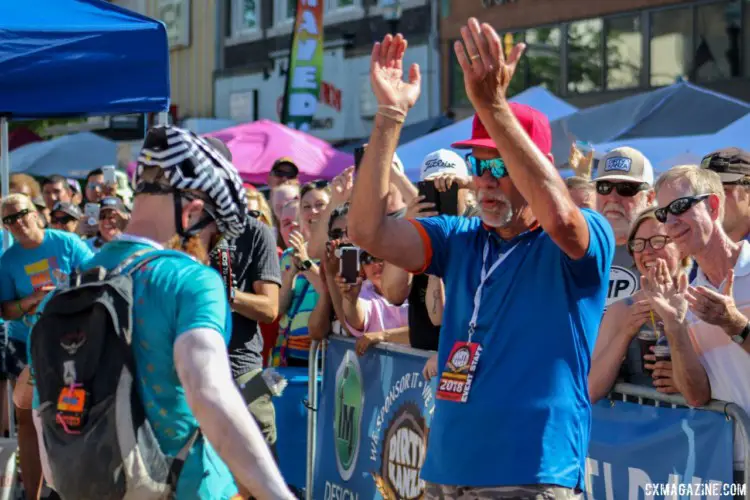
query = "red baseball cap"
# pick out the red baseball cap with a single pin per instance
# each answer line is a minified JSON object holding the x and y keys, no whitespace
{"x":534,"y":122}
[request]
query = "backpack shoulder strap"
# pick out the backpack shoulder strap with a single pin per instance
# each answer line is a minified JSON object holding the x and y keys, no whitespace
{"x":140,"y":258}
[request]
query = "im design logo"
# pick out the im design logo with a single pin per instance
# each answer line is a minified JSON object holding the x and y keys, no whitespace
{"x":347,"y":422}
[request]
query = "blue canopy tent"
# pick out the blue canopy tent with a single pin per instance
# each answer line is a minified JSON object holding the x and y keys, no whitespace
{"x":412,"y":153}
{"x":78,"y":58}
{"x":680,"y":110}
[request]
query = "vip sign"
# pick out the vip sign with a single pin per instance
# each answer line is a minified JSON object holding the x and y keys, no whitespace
{"x":305,"y":66}
{"x":347,"y":422}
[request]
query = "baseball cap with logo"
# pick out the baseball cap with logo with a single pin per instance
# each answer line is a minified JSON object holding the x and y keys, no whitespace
{"x":68,"y":209}
{"x":440,"y":162}
{"x":625,"y":164}
{"x":285,"y":167}
{"x":113,"y":203}
{"x":732,"y":164}
{"x":533,"y":122}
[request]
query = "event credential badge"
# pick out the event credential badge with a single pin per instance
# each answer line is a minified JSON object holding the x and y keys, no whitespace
{"x":455,"y":382}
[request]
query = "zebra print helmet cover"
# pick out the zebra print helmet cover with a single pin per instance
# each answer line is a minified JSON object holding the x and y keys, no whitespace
{"x":190,"y":163}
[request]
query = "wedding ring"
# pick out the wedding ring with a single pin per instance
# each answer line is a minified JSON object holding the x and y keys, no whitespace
{"x":477,"y":56}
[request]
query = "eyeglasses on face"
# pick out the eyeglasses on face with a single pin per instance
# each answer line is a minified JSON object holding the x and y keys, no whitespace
{"x":679,"y":206}
{"x":656,"y":242}
{"x":11,"y":219}
{"x":625,"y":189}
{"x":495,"y":166}
{"x":336,"y":234}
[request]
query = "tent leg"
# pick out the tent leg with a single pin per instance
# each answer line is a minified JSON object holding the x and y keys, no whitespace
{"x":4,"y":167}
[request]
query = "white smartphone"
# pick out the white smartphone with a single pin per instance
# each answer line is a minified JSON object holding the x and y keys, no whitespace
{"x":91,"y":212}
{"x":109,"y":175}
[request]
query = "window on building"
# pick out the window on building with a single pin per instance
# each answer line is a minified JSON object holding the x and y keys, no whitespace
{"x":518,"y":83}
{"x":671,"y":45}
{"x":244,"y":17}
{"x":543,"y":58}
{"x":284,"y":11}
{"x":457,"y":97}
{"x":624,"y":57}
{"x":585,"y":56}
{"x":717,"y":40}
{"x":340,"y":4}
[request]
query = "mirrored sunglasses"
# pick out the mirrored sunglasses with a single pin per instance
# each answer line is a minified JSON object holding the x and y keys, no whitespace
{"x":625,"y":189}
{"x":495,"y":166}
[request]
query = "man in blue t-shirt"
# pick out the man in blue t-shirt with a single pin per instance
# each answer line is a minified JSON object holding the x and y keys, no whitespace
{"x":39,"y":260}
{"x":189,"y":196}
{"x":525,"y":285}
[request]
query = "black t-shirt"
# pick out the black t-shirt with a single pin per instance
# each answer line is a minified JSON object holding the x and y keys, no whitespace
{"x":422,"y":333}
{"x":253,"y":258}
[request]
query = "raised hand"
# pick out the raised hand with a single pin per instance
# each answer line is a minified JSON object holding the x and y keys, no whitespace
{"x":387,"y":71}
{"x":668,"y":296}
{"x":341,"y":187}
{"x":487,"y":73}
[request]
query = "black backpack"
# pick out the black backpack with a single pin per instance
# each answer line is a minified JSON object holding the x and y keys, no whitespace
{"x":98,"y":441}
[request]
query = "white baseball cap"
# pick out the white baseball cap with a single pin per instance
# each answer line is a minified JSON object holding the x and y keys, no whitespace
{"x":442,"y":161}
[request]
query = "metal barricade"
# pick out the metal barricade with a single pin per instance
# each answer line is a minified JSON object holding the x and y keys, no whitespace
{"x":645,"y":395}
{"x":317,"y":353}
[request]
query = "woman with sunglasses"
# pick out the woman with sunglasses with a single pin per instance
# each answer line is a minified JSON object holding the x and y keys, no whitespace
{"x":630,"y":324}
{"x":39,"y":260}
{"x":368,"y":314}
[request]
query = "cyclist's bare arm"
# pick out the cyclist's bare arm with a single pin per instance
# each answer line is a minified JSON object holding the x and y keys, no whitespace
{"x":203,"y":368}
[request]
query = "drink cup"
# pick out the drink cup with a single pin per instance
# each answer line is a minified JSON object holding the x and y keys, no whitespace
{"x":646,"y":339}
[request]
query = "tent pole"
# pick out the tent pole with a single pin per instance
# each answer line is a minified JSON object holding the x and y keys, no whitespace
{"x":163,"y":118}
{"x":4,"y":167}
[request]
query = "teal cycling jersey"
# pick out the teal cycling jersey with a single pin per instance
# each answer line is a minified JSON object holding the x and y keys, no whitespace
{"x":173,"y":295}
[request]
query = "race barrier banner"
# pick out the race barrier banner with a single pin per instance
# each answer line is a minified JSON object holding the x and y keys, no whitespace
{"x":305,"y":66}
{"x":374,"y":414}
{"x":639,"y":451}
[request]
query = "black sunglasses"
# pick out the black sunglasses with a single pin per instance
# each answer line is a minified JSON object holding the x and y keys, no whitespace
{"x":366,"y":258}
{"x":320,"y":184}
{"x":336,"y":234}
{"x":678,"y":206}
{"x":62,"y":220}
{"x":625,"y":189}
{"x":11,"y":219}
{"x":255,"y":214}
{"x":657,"y":242}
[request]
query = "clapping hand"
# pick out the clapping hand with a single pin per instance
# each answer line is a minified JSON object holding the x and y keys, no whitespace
{"x":487,"y":73}
{"x":386,"y":75}
{"x":667,"y":296}
{"x":717,"y":308}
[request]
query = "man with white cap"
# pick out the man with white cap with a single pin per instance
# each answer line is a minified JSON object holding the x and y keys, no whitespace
{"x":624,"y":188}
{"x":425,"y":293}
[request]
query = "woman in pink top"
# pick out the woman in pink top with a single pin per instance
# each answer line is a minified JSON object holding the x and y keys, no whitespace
{"x":368,"y":315}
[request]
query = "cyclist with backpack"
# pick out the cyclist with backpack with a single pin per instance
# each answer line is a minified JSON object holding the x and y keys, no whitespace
{"x":133,"y":390}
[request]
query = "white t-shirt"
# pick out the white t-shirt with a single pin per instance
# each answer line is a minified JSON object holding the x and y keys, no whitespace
{"x":726,"y":363}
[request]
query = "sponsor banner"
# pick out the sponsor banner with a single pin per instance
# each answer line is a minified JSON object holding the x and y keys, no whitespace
{"x":374,"y":415}
{"x":641,"y":451}
{"x":305,"y":66}
{"x":375,"y":411}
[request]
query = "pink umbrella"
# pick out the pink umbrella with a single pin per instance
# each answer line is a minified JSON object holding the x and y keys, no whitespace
{"x":256,"y":146}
